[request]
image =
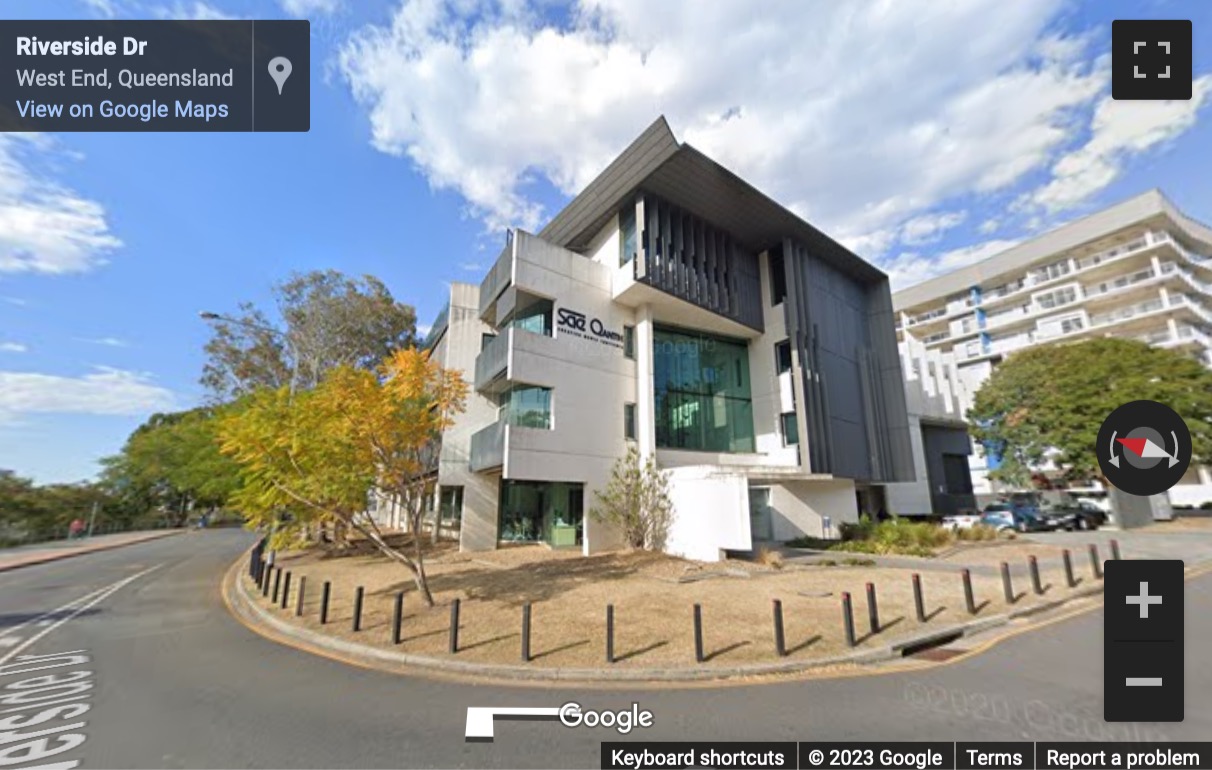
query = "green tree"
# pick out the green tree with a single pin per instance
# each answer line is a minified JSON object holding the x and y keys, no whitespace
{"x":172,"y":464}
{"x":327,"y":320}
{"x":636,"y":501}
{"x":322,"y":453}
{"x":1048,"y":402}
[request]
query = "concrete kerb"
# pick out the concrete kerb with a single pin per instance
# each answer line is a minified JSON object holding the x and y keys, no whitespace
{"x":68,"y":554}
{"x":253,"y":614}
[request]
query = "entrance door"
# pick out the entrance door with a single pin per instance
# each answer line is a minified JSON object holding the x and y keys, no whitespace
{"x":761,"y":526}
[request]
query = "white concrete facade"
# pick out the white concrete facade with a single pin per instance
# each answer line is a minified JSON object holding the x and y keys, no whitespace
{"x":1140,"y":269}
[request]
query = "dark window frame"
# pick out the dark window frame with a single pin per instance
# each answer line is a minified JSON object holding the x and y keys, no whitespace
{"x":630,"y":429}
{"x":629,"y":341}
{"x":779,"y":368}
{"x":795,"y":429}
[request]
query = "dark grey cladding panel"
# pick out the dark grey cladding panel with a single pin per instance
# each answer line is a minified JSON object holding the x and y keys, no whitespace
{"x":842,"y":327}
{"x":588,"y":213}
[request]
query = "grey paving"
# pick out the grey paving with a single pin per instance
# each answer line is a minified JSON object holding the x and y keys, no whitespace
{"x":180,"y":684}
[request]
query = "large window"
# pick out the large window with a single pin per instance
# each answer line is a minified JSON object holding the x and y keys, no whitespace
{"x":541,"y":511}
{"x":629,"y":422}
{"x":533,"y":317}
{"x":702,"y":390}
{"x":627,"y":233}
{"x":526,"y":405}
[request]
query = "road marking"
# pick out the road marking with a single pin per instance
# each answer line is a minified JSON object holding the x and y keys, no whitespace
{"x":97,"y":596}
{"x":9,"y":641}
{"x":49,"y":616}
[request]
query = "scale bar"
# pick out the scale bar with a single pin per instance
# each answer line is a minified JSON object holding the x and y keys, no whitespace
{"x":1143,"y":681}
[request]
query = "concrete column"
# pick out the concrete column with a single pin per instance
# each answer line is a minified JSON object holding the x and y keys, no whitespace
{"x":645,"y":406}
{"x":1205,"y":475}
{"x":1170,"y":322}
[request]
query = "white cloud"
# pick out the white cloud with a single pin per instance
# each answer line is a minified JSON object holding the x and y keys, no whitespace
{"x":12,"y":347}
{"x":484,"y":97}
{"x":1118,"y":131}
{"x":909,"y":268}
{"x":15,"y":301}
{"x":109,"y":342}
{"x":45,"y":227}
{"x":929,"y":228}
{"x":309,"y":7}
{"x":196,"y":10}
{"x":989,"y":226}
{"x":424,"y":329}
{"x":470,"y":267}
{"x":104,"y":391}
{"x":105,"y":8}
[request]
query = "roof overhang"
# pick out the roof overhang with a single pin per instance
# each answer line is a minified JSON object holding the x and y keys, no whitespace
{"x":655,"y":162}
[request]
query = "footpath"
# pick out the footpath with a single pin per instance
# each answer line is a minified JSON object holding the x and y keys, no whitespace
{"x":26,"y":556}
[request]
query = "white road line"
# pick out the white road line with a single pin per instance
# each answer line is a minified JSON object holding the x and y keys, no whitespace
{"x":97,"y":597}
{"x":70,"y":605}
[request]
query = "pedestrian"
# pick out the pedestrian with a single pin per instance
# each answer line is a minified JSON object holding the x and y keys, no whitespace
{"x":75,"y":529}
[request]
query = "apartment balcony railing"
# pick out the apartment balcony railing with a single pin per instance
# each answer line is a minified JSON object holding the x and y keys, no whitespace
{"x":488,"y":447}
{"x":1124,"y":313}
{"x":493,"y":360}
{"x":499,"y":276}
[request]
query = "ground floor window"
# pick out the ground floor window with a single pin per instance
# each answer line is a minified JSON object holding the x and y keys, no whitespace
{"x":550,"y":512}
{"x":451,"y":505}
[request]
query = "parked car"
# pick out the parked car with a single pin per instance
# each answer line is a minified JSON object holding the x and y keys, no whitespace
{"x":961,"y":521}
{"x":1017,"y":517}
{"x":1083,"y":516}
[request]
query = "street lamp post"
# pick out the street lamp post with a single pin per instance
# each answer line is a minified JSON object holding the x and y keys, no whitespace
{"x":290,"y":345}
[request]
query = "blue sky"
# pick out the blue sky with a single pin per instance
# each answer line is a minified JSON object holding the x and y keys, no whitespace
{"x":922,"y":137}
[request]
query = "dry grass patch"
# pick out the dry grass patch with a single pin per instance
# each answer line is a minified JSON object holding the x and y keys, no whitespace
{"x":653,"y":596}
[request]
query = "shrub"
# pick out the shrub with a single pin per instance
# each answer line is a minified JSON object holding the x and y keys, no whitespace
{"x":770,"y":558}
{"x":636,"y":501}
{"x":805,"y":541}
{"x":1206,"y":505}
{"x":977,"y":532}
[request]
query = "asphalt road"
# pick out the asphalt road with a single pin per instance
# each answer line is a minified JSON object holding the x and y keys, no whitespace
{"x":176,"y":682}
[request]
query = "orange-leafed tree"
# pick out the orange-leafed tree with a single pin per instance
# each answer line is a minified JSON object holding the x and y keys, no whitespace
{"x":323,"y":453}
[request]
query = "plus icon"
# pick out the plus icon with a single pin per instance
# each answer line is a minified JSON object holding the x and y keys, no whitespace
{"x":1151,"y":59}
{"x":1144,"y":600}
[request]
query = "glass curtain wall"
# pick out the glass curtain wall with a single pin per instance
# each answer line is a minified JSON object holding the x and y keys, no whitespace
{"x":703,"y":395}
{"x":542,"y":511}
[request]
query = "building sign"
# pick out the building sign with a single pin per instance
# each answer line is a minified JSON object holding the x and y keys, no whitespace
{"x":579,"y":325}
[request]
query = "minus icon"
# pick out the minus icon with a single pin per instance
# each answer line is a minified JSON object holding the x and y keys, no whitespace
{"x":1143,"y":681}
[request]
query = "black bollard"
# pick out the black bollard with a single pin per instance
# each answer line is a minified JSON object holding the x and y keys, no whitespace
{"x":780,"y":642}
{"x":1115,"y":550}
{"x":325,"y":594}
{"x":873,"y":612}
{"x":698,"y":633}
{"x":1068,"y":559}
{"x":397,"y":619}
{"x":277,"y":584}
{"x":357,"y":611}
{"x":919,"y":603}
{"x":286,"y":591}
{"x":610,"y":633}
{"x":1036,"y":585}
{"x":848,"y":618}
{"x":267,"y":578}
{"x":302,"y":589}
{"x":969,"y":599}
{"x":526,"y":632}
{"x":1007,"y":586}
{"x":1096,"y":564}
{"x":454,"y":626}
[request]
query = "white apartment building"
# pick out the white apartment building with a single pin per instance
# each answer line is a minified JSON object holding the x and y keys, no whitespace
{"x":1140,"y":269}
{"x":673,"y":307}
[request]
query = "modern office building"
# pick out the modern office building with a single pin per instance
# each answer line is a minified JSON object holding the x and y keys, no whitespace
{"x":674,"y":307}
{"x":1140,"y":269}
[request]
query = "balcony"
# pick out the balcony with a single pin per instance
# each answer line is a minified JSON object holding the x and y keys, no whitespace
{"x":499,"y":277}
{"x":488,"y":447}
{"x":493,"y":362}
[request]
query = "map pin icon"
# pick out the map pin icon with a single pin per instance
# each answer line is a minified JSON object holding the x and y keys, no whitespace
{"x":279,"y":70}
